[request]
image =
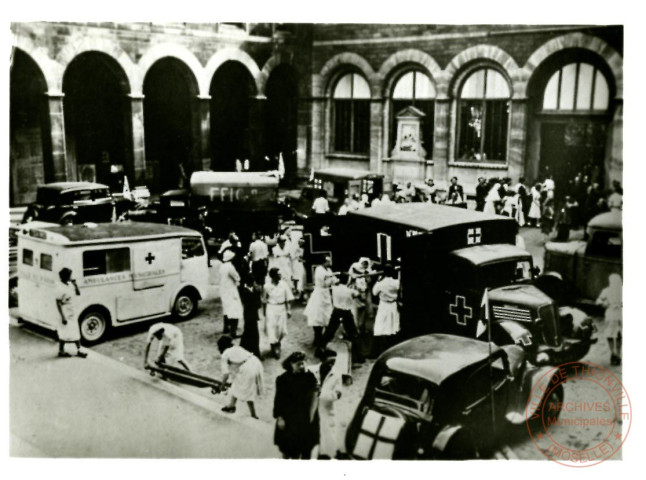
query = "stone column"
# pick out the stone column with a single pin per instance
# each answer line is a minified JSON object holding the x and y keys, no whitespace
{"x":441,"y":140}
{"x":61,"y":171}
{"x":204,"y":134}
{"x":517,"y":138}
{"x":138,"y":141}
{"x":376,"y":133}
{"x":257,"y":147}
{"x":317,"y":133}
{"x":615,"y":157}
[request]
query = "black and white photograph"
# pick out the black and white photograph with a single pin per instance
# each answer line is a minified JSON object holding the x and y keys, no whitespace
{"x":309,"y":240}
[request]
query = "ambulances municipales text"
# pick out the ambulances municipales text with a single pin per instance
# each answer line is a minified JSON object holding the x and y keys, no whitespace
{"x":553,"y":422}
{"x":119,"y":277}
{"x":229,"y":194}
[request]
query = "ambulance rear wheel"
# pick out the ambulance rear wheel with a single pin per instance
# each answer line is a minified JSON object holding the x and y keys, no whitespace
{"x":185,"y":305}
{"x":94,"y":325}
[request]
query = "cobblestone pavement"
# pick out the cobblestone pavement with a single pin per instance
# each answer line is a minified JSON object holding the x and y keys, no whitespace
{"x":201,"y":334}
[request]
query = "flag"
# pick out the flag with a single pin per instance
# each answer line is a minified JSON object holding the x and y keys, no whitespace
{"x":238,"y":165}
{"x":484,"y":307}
{"x":126,"y":188}
{"x":311,"y":175}
{"x":281,"y":165}
{"x":246,"y":164}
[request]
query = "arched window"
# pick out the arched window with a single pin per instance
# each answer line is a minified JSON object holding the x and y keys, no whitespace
{"x":483,"y":117}
{"x":576,"y":87}
{"x":414,"y":88}
{"x":351,"y":115}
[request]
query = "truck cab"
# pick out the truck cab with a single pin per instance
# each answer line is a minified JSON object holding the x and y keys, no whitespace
{"x":453,"y":263}
{"x":584,"y":265}
{"x":338,"y":184}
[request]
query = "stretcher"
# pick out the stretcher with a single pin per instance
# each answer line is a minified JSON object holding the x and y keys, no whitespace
{"x":180,"y":375}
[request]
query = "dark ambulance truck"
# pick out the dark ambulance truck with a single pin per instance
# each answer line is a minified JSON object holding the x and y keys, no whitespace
{"x":448,"y":257}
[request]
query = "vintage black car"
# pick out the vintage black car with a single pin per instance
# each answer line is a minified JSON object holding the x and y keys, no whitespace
{"x":74,"y":203}
{"x":448,"y":258}
{"x":431,"y":398}
{"x":584,"y":266}
{"x":337,"y":183}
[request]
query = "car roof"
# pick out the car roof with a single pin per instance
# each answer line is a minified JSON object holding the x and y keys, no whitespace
{"x":110,"y":232}
{"x":426,"y":217}
{"x":483,"y":254}
{"x":346,"y":173}
{"x":436,"y":357}
{"x":607,"y":221}
{"x":201,"y":182}
{"x":62,"y":186}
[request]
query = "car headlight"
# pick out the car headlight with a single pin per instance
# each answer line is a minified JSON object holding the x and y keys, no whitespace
{"x":542,"y":357}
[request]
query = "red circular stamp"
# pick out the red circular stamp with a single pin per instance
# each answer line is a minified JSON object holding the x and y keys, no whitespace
{"x":578,"y":414}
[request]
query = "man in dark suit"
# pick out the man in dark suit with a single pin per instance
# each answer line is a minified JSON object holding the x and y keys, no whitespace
{"x":456,"y":188}
{"x":481,"y":193}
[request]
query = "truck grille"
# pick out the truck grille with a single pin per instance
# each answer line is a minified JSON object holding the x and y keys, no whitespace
{"x":511,"y":313}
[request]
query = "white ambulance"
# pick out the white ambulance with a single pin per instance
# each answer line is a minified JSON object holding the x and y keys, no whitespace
{"x":126,"y":273}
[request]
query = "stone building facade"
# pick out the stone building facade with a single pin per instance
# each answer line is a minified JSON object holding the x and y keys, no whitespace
{"x":158,"y":101}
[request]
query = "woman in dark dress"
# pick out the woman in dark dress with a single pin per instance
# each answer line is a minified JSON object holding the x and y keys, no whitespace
{"x":296,"y":409}
{"x":250,"y":294}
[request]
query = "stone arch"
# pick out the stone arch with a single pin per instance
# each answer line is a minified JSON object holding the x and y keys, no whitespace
{"x":273,"y":62}
{"x":491,"y":53}
{"x":331,"y":67}
{"x":225,"y":55}
{"x":410,"y":56}
{"x":82,"y":43}
{"x":179,"y":52}
{"x":577,"y":40}
{"x":51,"y":70}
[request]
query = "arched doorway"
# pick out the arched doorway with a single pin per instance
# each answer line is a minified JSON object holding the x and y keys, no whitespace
{"x":570,"y":110}
{"x":29,"y":130}
{"x":98,"y":120}
{"x":170,"y":91}
{"x":281,"y":118}
{"x":232,"y":90}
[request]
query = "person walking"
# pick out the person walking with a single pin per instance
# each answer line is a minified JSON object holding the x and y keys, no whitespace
{"x":281,"y":258}
{"x":547,"y":218}
{"x":259,"y":257}
{"x":331,"y":382}
{"x":251,"y":296}
{"x":387,"y":319}
{"x":245,"y":370}
{"x":277,"y":296}
{"x":534,"y":214}
{"x":296,"y":409}
{"x":171,"y":345}
{"x":456,"y":188}
{"x":342,"y":302}
{"x":319,"y":306}
{"x":68,"y":330}
{"x":493,"y":199}
{"x":524,"y":198}
{"x":299,"y":273}
{"x":229,"y":294}
{"x":611,"y":299}
{"x":481,"y":194}
{"x":359,"y":281}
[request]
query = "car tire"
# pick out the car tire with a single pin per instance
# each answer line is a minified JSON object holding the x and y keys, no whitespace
{"x":185,"y":305}
{"x":94,"y":324}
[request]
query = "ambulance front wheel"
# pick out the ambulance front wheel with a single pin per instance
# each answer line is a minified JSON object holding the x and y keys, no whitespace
{"x":185,"y":305}
{"x":94,"y":325}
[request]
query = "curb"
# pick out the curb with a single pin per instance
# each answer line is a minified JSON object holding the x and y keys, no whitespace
{"x":175,"y":390}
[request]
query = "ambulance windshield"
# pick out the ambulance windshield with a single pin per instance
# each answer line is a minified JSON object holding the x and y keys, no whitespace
{"x":506,"y":273}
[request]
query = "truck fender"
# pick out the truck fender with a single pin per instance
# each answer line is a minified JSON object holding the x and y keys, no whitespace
{"x":442,"y":438}
{"x":521,"y":406}
{"x":183,"y":286}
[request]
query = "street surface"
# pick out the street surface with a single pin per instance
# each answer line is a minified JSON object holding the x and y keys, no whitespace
{"x":121,"y":401}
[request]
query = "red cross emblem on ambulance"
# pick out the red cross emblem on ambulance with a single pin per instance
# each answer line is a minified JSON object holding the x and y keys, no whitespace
{"x":474,"y":236}
{"x":460,"y":310}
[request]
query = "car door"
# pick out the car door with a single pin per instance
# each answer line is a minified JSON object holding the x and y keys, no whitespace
{"x":485,"y":398}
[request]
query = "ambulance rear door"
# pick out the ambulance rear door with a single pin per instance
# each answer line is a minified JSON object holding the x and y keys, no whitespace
{"x":155,"y":273}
